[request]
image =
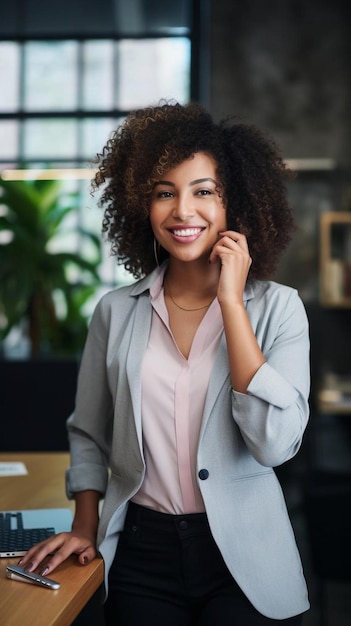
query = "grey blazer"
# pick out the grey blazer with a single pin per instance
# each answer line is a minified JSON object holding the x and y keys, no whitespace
{"x":243,"y":436}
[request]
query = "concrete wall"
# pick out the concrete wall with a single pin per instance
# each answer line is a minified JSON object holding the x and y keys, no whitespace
{"x":284,"y":65}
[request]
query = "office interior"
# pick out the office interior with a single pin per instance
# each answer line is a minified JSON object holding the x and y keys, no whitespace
{"x":284,"y":66}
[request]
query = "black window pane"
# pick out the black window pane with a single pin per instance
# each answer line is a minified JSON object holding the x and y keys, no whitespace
{"x":88,"y":18}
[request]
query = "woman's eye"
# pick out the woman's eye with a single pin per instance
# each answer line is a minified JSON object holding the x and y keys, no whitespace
{"x":204,"y":192}
{"x":164,"y":194}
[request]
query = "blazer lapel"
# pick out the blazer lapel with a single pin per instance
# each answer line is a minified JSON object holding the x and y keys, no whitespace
{"x":220,"y":372}
{"x":138,"y":343}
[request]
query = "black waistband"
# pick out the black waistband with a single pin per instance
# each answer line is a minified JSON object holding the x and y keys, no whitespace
{"x":139,"y":514}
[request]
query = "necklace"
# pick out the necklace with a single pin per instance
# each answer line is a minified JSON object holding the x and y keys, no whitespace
{"x":200,"y":308}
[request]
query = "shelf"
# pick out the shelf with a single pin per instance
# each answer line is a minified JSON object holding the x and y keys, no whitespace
{"x":344,"y":303}
{"x":334,"y":395}
{"x":336,"y":408}
{"x":335,"y":259}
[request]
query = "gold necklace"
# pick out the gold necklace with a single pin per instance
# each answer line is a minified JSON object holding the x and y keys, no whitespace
{"x":200,"y":308}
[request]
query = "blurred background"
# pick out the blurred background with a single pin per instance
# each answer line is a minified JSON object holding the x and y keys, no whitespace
{"x":69,"y":73}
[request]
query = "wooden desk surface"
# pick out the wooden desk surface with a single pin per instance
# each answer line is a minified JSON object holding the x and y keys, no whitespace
{"x":20,"y":603}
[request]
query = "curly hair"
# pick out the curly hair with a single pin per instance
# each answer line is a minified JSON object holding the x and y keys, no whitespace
{"x":152,"y":141}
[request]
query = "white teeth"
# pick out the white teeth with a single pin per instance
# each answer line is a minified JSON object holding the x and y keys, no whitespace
{"x":186,"y":232}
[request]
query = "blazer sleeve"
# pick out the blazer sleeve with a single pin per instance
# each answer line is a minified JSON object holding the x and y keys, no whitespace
{"x":89,"y":427}
{"x":273,"y":415}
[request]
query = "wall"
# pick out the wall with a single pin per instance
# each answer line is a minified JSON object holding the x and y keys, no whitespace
{"x":284,"y":65}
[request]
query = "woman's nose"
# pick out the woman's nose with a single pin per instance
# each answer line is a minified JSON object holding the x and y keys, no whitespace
{"x":182,"y":208}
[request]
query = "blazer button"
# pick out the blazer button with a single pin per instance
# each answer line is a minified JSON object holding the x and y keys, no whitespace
{"x":203,"y":474}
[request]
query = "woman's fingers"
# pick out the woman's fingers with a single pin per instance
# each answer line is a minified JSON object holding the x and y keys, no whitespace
{"x":87,"y":555}
{"x":85,"y":551}
{"x":230,"y":242}
{"x":235,"y":240}
{"x":232,"y":251}
{"x":38,"y":552}
{"x":58,"y":548}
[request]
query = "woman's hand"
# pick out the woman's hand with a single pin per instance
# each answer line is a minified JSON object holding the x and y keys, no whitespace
{"x":245,"y":356}
{"x":58,"y":548}
{"x":81,"y":540}
{"x":232,"y":251}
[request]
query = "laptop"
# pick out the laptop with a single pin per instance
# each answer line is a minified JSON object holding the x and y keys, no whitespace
{"x":20,"y":530}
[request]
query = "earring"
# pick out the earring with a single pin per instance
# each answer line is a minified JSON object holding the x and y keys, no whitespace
{"x":156,"y":251}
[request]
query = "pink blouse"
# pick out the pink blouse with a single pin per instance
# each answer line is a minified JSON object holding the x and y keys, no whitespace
{"x":173,"y":397}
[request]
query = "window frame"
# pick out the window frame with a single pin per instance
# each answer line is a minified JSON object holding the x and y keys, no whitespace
{"x":198,"y":81}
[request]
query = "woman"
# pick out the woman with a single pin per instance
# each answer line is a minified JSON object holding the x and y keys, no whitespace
{"x":193,"y":384}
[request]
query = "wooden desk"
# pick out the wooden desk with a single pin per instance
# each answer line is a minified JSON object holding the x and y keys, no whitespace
{"x":20,"y":603}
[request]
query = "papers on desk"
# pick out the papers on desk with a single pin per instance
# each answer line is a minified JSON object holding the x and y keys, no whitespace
{"x":13,"y":469}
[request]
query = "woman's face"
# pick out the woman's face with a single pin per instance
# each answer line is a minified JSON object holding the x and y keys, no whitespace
{"x":186,"y":211}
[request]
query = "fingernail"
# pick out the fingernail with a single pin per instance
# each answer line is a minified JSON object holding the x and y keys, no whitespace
{"x":44,"y":572}
{"x":20,"y":562}
{"x":29,"y":567}
{"x":85,"y":560}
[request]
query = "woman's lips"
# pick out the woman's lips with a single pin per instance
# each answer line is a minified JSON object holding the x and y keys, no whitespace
{"x":186,"y":235}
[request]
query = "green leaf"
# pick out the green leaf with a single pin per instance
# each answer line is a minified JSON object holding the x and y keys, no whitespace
{"x":30,"y":274}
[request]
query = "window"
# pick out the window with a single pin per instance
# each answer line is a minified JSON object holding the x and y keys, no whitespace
{"x":71,"y":81}
{"x":64,"y":97}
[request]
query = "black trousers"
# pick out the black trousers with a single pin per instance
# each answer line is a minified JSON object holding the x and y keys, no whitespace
{"x":168,"y":571}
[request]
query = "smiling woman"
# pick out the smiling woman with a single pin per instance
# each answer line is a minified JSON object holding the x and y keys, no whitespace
{"x":249,"y":172}
{"x":193,"y":384}
{"x":187,"y":208}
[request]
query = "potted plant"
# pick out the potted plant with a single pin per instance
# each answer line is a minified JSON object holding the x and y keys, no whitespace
{"x":35,"y":278}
